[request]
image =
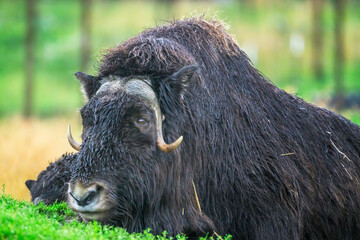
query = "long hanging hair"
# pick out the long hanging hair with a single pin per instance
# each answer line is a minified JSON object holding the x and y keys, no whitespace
{"x":264,"y":162}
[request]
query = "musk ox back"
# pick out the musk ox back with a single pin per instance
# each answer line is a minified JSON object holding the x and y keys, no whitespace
{"x":264,"y":163}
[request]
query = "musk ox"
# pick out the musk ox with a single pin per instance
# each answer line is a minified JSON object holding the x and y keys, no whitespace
{"x":181,"y":133}
{"x":52,"y":183}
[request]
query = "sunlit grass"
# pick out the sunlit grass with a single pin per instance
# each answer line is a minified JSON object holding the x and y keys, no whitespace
{"x":27,"y":147}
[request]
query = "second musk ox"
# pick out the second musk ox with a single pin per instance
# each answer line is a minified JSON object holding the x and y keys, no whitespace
{"x":177,"y":113}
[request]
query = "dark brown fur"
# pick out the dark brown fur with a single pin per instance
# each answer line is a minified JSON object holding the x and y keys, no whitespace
{"x":237,"y":126}
{"x":52,"y":183}
{"x":266,"y":164}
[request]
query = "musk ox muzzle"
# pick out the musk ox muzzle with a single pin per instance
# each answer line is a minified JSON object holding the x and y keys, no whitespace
{"x":89,"y":200}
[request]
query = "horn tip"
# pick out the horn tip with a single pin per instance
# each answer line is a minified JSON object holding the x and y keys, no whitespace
{"x":73,"y":143}
{"x":69,"y":130}
{"x":174,"y":145}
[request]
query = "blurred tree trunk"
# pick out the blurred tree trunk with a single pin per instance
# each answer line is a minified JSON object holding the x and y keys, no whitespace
{"x":339,"y":6}
{"x":86,"y":6}
{"x":167,"y":9}
{"x":29,"y":55}
{"x":317,"y":39}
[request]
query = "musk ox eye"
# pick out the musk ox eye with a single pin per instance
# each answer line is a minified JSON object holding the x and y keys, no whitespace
{"x":142,"y":122}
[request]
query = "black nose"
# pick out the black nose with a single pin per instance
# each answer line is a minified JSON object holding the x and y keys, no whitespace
{"x":86,"y":199}
{"x":85,"y":195}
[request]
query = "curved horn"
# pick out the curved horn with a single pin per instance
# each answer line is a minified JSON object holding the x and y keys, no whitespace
{"x":73,"y":143}
{"x":167,"y":148}
{"x":144,"y":90}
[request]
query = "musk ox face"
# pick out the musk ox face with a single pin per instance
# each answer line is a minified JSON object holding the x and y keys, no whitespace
{"x":120,"y":155}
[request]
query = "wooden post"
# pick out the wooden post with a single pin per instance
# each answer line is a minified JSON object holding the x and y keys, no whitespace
{"x":317,"y":39}
{"x":339,"y":59}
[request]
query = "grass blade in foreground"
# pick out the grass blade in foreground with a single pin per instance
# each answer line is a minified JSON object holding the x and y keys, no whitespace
{"x":23,"y":220}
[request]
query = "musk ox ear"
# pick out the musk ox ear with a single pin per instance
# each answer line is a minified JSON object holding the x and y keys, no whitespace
{"x":89,"y":84}
{"x":171,"y":91}
{"x":29,"y":183}
{"x":180,"y":80}
{"x":173,"y":88}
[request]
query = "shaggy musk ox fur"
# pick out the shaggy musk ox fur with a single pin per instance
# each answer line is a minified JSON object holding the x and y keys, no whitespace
{"x":52,"y":183}
{"x":265,"y":164}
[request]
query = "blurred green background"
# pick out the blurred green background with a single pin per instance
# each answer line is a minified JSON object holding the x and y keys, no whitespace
{"x":283,"y":39}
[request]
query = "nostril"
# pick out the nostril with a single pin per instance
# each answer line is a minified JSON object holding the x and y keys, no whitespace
{"x":86,"y":200}
{"x":72,"y":195}
{"x":99,"y":188}
{"x":89,"y":198}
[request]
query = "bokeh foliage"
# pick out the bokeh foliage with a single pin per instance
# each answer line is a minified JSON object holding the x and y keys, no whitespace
{"x":263,"y":29}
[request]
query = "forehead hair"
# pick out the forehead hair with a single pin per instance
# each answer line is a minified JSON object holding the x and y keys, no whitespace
{"x":139,"y":86}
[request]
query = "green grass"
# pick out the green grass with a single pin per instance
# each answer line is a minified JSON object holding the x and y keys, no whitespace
{"x":23,"y":220}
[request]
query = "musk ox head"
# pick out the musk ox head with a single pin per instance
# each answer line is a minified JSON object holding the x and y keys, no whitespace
{"x":51,"y":185}
{"x":120,"y":164}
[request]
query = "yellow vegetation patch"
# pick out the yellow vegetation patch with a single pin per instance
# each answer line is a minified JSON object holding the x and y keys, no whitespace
{"x":28,"y":146}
